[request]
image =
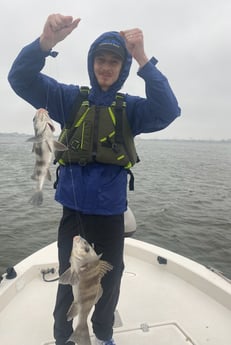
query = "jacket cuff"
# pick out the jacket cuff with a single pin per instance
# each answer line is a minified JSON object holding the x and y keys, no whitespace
{"x":37,"y":47}
{"x":143,"y":70}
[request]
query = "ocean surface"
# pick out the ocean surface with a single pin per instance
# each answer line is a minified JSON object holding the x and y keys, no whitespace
{"x":182,"y":200}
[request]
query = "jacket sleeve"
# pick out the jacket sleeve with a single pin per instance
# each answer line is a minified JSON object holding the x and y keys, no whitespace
{"x":37,"y":88}
{"x":158,"y":109}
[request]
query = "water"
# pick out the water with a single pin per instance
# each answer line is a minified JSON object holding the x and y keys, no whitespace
{"x":182,"y":200}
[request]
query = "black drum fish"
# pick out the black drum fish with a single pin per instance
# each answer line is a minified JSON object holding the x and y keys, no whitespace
{"x":85,"y":274}
{"x":43,"y":147}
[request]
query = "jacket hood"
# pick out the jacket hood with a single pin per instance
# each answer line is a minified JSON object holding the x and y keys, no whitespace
{"x":98,"y":96}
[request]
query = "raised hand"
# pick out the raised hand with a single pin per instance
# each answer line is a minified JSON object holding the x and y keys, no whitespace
{"x":56,"y":29}
{"x":135,"y":44}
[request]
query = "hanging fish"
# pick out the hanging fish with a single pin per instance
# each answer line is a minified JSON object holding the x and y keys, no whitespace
{"x":84,"y":274}
{"x":43,"y":147}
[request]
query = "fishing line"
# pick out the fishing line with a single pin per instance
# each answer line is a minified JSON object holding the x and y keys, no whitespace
{"x":79,"y":221}
{"x":47,"y":94}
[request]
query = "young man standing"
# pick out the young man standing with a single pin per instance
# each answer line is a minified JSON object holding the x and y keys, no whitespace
{"x":92,"y":185}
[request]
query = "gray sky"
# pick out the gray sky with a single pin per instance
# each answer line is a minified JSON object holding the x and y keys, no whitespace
{"x":190,"y":38}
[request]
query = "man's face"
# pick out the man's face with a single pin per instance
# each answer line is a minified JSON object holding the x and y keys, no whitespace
{"x":107,"y":67}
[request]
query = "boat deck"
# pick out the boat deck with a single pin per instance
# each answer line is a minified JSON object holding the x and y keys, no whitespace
{"x":156,"y":305}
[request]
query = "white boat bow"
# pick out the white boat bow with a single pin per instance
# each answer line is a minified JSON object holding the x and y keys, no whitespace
{"x":166,"y":299}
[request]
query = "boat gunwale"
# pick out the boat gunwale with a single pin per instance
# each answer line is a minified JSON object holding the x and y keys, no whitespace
{"x":190,"y":271}
{"x":198,"y":275}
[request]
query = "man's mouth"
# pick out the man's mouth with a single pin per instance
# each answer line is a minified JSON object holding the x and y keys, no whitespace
{"x":105,"y":75}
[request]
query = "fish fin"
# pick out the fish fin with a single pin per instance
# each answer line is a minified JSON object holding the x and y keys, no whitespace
{"x":36,"y":199}
{"x":81,"y":335}
{"x":33,"y":148}
{"x":99,"y":294}
{"x":69,"y":277}
{"x":34,"y":177}
{"x":49,"y":175}
{"x":104,"y":267}
{"x":72,"y":312}
{"x":31,"y":140}
{"x":35,"y":140}
{"x":59,"y":146}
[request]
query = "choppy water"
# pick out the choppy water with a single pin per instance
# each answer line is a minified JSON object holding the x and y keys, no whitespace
{"x":182,"y":200}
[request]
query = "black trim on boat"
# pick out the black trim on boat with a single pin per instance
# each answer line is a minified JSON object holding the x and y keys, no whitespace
{"x":49,"y":271}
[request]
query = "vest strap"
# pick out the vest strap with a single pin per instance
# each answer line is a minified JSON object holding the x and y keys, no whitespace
{"x":131,"y":180}
{"x":119,"y":120}
{"x":83,"y":96}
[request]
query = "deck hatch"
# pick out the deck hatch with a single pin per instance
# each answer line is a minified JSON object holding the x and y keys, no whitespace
{"x":161,"y":334}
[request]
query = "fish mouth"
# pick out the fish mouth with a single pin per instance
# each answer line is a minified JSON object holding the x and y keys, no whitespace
{"x":86,"y":246}
{"x":76,"y":238}
{"x":51,"y":126}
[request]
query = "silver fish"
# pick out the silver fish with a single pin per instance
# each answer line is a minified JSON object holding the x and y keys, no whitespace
{"x":85,"y":274}
{"x":43,"y":147}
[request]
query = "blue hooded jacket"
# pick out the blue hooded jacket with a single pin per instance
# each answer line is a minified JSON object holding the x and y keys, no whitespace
{"x":95,"y":188}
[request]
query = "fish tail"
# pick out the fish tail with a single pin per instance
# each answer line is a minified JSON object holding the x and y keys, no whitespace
{"x":37,"y":198}
{"x":81,"y":335}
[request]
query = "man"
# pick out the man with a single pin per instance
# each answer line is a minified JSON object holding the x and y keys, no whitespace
{"x":92,"y":183}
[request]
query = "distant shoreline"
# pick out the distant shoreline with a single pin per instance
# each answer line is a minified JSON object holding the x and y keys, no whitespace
{"x":16,"y":134}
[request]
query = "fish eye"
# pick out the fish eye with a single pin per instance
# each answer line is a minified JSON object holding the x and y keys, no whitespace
{"x":87,"y":249}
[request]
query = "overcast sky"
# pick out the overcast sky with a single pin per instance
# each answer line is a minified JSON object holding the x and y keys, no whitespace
{"x":190,"y":39}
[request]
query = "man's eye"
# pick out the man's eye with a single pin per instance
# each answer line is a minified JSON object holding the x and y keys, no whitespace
{"x":101,"y":61}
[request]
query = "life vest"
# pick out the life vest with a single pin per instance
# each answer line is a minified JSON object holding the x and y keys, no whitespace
{"x":98,"y":134}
